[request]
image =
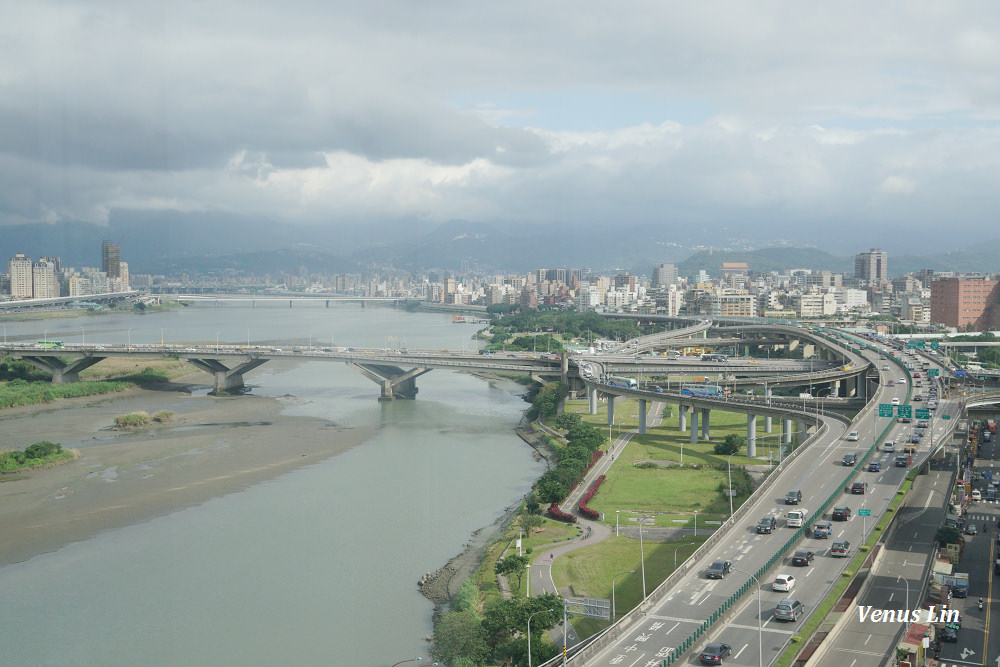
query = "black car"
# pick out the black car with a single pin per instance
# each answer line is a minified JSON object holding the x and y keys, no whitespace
{"x":841,"y":513}
{"x":803,"y":557}
{"x":719,"y":569}
{"x":766,"y":525}
{"x":714,"y":653}
{"x":850,"y":459}
{"x":859,"y":487}
{"x":901,"y":461}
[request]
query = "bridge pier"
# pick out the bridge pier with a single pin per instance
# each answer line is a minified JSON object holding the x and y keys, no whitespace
{"x":592,"y":399}
{"x":751,"y":436}
{"x":704,"y":423}
{"x":694,"y":426}
{"x":786,"y":431}
{"x":642,"y":416}
{"x":226,"y":379}
{"x":393,"y":381}
{"x":611,"y":409}
{"x":767,"y":423}
{"x":682,"y":418}
{"x":61,"y":371}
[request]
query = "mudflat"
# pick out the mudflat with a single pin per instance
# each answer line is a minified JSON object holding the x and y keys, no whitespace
{"x":211,"y":446}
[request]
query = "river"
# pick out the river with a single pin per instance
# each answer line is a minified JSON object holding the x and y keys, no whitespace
{"x":316,"y":567}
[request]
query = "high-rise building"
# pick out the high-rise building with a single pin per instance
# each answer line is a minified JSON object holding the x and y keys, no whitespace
{"x":43,"y":280}
{"x":872,"y":266}
{"x":19,"y":271}
{"x":965,"y":303}
{"x":111,"y":256}
{"x":664,"y":274}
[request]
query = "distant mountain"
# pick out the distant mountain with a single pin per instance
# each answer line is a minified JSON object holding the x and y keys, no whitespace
{"x":767,"y":259}
{"x":275,"y":262}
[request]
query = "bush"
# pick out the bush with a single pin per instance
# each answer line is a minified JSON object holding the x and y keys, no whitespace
{"x":557,"y":514}
{"x":133,"y":420}
{"x":161,"y":416}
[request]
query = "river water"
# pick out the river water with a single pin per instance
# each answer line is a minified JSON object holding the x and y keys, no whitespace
{"x":316,"y":567}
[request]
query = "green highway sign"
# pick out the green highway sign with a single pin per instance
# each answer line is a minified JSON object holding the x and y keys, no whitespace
{"x":935,"y":345}
{"x":921,"y":344}
{"x":911,"y":345}
{"x":933,"y":372}
{"x":923,"y":414}
{"x":945,"y":416}
{"x":904,"y":411}
{"x":884,"y":410}
{"x":864,"y":512}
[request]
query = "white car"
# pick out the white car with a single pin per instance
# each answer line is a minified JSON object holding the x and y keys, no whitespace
{"x":889,"y":446}
{"x":783,"y":582}
{"x":895,"y":400}
{"x":902,"y":380}
{"x":853,"y":436}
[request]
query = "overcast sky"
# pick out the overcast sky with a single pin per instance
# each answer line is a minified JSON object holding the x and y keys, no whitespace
{"x":782,"y":119}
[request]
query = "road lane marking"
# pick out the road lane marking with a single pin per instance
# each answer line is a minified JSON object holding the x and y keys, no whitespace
{"x":735,"y":657}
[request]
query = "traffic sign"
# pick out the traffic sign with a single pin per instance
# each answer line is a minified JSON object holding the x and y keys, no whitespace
{"x":884,"y":409}
{"x":923,"y":414}
{"x":933,"y":372}
{"x":935,"y":345}
{"x":921,"y":344}
{"x":960,"y":373}
{"x":945,"y":416}
{"x":911,"y":345}
{"x":904,"y":411}
{"x":864,"y":512}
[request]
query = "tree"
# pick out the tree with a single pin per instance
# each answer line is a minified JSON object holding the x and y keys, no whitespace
{"x":460,"y":635}
{"x":730,"y":445}
{"x":529,"y":522}
{"x":512,"y":565}
{"x":567,"y":420}
{"x":947,"y":535}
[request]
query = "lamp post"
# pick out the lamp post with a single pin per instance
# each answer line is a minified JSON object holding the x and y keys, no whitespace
{"x":906,"y":583}
{"x":616,"y":514}
{"x":729,"y":464}
{"x":543,"y":611}
{"x":614,"y":613}
{"x":407,"y":660}
{"x":642,"y":557}
{"x":527,"y":587}
{"x":689,"y":544}
{"x":760,"y":628}
{"x":83,"y":336}
{"x":45,"y":335}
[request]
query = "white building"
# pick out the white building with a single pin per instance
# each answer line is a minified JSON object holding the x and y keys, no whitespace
{"x":19,"y":271}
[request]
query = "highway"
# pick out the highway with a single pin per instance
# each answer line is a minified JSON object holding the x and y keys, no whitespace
{"x":653,"y":632}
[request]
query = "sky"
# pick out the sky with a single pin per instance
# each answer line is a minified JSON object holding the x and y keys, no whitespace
{"x":768,"y":120}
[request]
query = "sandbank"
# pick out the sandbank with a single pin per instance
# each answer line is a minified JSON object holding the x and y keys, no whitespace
{"x":211,"y":447}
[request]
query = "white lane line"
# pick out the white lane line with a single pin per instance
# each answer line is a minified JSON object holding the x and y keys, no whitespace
{"x":736,"y":657}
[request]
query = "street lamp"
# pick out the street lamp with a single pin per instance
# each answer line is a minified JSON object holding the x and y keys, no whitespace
{"x":689,"y":544}
{"x":407,"y":660}
{"x":613,"y":610}
{"x":543,"y":611}
{"x":906,"y":583}
{"x":616,"y":512}
{"x":760,"y":628}
{"x":729,"y":465}
{"x":642,"y":557}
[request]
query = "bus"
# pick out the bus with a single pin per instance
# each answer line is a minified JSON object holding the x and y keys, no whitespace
{"x":714,"y":357}
{"x":49,"y":344}
{"x":623,"y":382}
{"x":701,"y":390}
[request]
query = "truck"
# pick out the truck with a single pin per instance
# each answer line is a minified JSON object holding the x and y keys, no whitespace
{"x":822,"y":530}
{"x":960,"y":587}
{"x":796,"y":518}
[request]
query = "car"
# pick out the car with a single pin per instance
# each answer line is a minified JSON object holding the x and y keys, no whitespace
{"x":822,"y":530}
{"x":852,"y":436}
{"x":859,"y":488}
{"x":803,"y":557}
{"x":904,"y":420}
{"x":949,"y":634}
{"x":841,"y":513}
{"x":766,"y":524}
{"x":902,"y":380}
{"x":874,"y":466}
{"x":714,"y":653}
{"x":850,"y":459}
{"x":719,"y":569}
{"x":788,"y":609}
{"x":918,"y":398}
{"x":885,"y":367}
{"x":890,"y":383}
{"x":840,"y":549}
{"x":784,"y":583}
{"x":970,"y":529}
{"x":977,"y":495}
{"x":793,"y":497}
{"x":915,"y":438}
{"x":901,"y":461}
{"x":895,"y":400}
{"x":889,"y":446}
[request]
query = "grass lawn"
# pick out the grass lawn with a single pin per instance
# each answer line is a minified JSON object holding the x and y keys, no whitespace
{"x":589,"y":572}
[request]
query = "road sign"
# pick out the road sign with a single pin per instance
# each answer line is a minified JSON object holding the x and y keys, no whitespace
{"x":592,"y":607}
{"x":884,"y":409}
{"x":945,"y":416}
{"x":923,"y":414}
{"x":904,"y":411}
{"x":921,"y":344}
{"x":911,"y":345}
{"x":935,"y":345}
{"x":864,"y":512}
{"x":960,"y":373}
{"x":933,"y":372}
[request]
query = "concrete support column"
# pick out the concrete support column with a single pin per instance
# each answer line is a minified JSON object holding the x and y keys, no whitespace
{"x":704,"y":423}
{"x":682,"y":423}
{"x":767,"y":424}
{"x":611,"y":409}
{"x":835,"y":389}
{"x":751,"y":436}
{"x":694,"y":426}
{"x":642,"y":416}
{"x":786,"y":431}
{"x":592,"y":399}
